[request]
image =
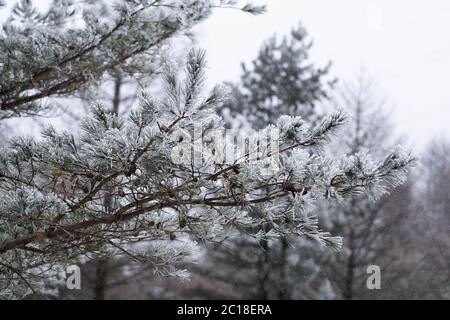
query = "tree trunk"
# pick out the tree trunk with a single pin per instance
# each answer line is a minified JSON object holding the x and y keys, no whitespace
{"x":283,"y":290}
{"x":116,"y":98}
{"x":349,"y":279}
{"x":101,"y":273}
{"x":263,"y":272}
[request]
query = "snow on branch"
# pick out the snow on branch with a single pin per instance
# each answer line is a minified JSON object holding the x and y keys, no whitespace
{"x":62,"y":198}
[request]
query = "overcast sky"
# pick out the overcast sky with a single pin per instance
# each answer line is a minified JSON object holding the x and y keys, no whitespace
{"x":404,"y":45}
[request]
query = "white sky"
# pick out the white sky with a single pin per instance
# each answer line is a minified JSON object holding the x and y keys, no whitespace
{"x":404,"y":46}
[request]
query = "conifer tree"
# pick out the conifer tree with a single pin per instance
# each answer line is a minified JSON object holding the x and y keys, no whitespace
{"x":58,"y":53}
{"x":295,"y":268}
{"x":151,"y":176}
{"x":280,"y":80}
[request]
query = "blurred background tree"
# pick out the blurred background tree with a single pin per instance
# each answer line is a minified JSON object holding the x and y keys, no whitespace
{"x":281,"y":80}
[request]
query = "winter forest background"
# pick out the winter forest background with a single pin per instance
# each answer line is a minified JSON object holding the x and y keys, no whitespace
{"x":94,"y":96}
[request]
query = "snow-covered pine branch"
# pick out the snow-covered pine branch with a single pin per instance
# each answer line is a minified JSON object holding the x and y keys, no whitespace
{"x":63,"y":198}
{"x":70,"y":47}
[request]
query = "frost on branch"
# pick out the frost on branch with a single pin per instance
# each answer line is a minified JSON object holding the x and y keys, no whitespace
{"x":76,"y":45}
{"x":65,"y":198}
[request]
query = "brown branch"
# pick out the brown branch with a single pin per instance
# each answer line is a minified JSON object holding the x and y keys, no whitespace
{"x":62,"y":230}
{"x":80,"y":79}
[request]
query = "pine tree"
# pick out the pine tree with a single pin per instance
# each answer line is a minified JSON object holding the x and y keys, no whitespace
{"x":48,"y":55}
{"x":294,"y":268}
{"x":148,"y":177}
{"x":281,"y":80}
